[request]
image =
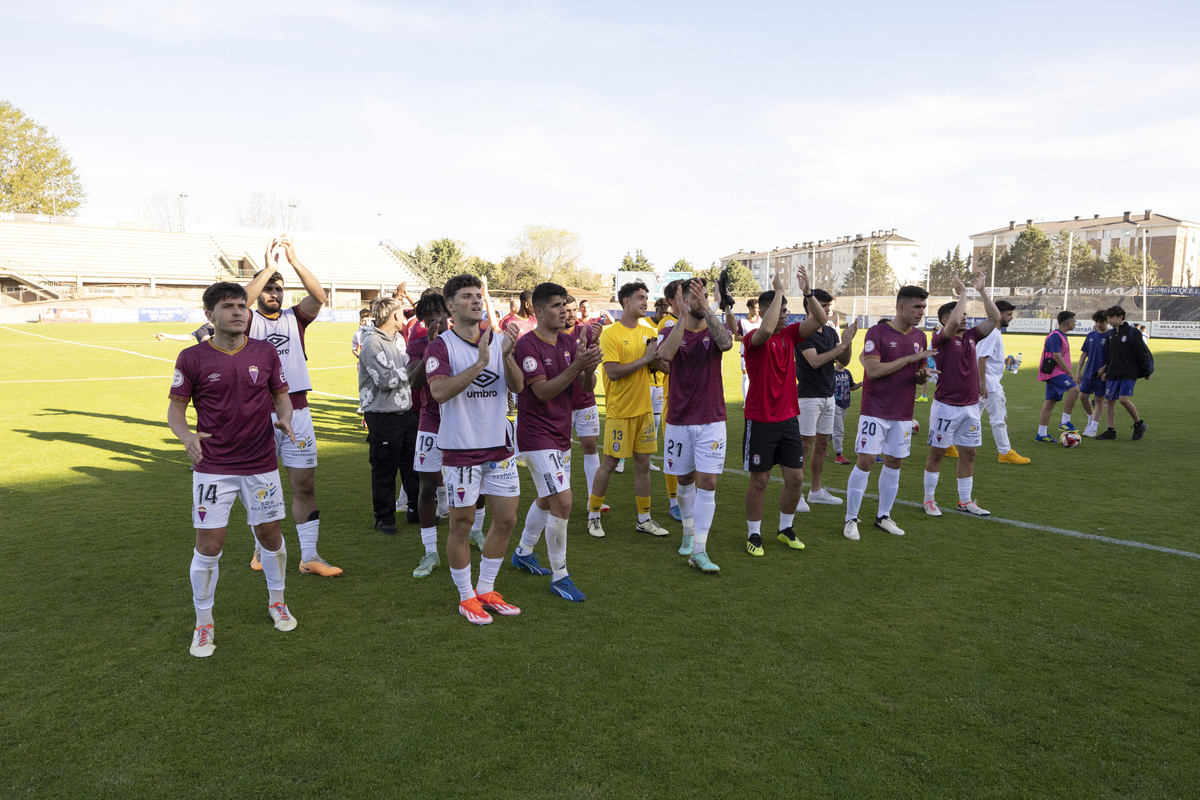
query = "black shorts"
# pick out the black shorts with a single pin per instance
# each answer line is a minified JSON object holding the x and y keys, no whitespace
{"x":765,"y":444}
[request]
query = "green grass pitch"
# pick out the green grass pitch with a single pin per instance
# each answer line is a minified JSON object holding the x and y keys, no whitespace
{"x":969,"y":658}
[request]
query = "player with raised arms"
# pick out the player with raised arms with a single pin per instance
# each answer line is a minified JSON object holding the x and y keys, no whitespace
{"x":284,"y":328}
{"x":468,"y":370}
{"x":893,"y":360}
{"x":695,"y":434}
{"x":629,"y":349}
{"x":551,"y":363}
{"x":954,"y":415}
{"x":238,"y":388}
{"x":772,"y":434}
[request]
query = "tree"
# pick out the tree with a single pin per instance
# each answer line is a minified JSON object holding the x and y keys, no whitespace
{"x":443,"y":259}
{"x":36,"y":174}
{"x":943,"y":270}
{"x":269,"y":213}
{"x":1027,"y":262}
{"x":494,"y":273}
{"x":164,"y":211}
{"x":1123,"y":268}
{"x":883,"y":281}
{"x":636,"y":263}
{"x":1086,"y":268}
{"x":742,"y":282}
{"x":547,"y":252}
{"x":683,"y":265}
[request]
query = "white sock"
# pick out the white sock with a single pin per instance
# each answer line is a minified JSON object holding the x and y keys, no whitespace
{"x":931,"y":482}
{"x":706,"y":507}
{"x":1042,"y":430}
{"x":754,"y":526}
{"x":965,"y":485}
{"x":479,"y":513}
{"x":785,"y":520}
{"x":274,"y":566}
{"x":462,"y":579}
{"x":204,"y":573}
{"x":556,"y":544}
{"x":429,"y":539}
{"x":856,"y":487}
{"x":643,"y":518}
{"x":1066,"y":418}
{"x":535,"y":521}
{"x":307,"y":534}
{"x":889,"y":487}
{"x":488,"y":569}
{"x":591,"y":463}
{"x":687,"y":506}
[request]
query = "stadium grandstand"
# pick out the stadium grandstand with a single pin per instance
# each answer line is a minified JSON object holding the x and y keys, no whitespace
{"x":67,"y":259}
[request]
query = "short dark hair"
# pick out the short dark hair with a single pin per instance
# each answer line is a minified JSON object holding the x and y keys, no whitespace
{"x":1099,"y":315}
{"x":525,"y":296}
{"x":1004,"y":305}
{"x":458,"y":283}
{"x":628,"y":289}
{"x":569,"y":299}
{"x":364,"y":312}
{"x":822,"y":296}
{"x":751,"y":303}
{"x":944,"y":310}
{"x":543,"y":293}
{"x":1114,"y":311}
{"x":911,"y":293}
{"x":766,"y":298}
{"x":276,"y":278}
{"x":672,"y":288}
{"x":1063,"y":316}
{"x":429,"y":303}
{"x":222,"y":291}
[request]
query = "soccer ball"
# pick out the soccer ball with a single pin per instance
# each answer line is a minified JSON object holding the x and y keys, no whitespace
{"x":916,"y":428}
{"x":1070,"y":439}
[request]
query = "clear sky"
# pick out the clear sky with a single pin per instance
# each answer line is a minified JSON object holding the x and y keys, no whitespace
{"x":684,"y":129}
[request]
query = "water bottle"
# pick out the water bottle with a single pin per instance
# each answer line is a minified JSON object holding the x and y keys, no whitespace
{"x":1010,"y":364}
{"x":1017,"y":363}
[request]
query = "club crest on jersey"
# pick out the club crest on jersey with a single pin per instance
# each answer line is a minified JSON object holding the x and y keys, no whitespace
{"x":916,"y":347}
{"x":705,"y":342}
{"x":431,"y":364}
{"x":756,"y":460}
{"x":201,"y":512}
{"x":530,"y":363}
{"x":253,"y":374}
{"x":869,"y":346}
{"x":177,"y":380}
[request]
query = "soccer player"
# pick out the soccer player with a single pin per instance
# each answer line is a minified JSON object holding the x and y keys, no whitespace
{"x":954,"y":413}
{"x":284,"y":328}
{"x":628,"y":349}
{"x":585,"y":416}
{"x":1055,"y":372}
{"x":551,"y":363}
{"x":385,"y":398}
{"x":893,"y":360}
{"x":1093,"y":354}
{"x":201,"y":335}
{"x":364,"y":324}
{"x":815,"y":355}
{"x":239,"y":390}
{"x":427,"y":460}
{"x":746,"y":326}
{"x":695,"y":434}
{"x":586,"y":316}
{"x":772,"y":433}
{"x":990,"y":352}
{"x":468,"y":369}
{"x":1128,"y":360}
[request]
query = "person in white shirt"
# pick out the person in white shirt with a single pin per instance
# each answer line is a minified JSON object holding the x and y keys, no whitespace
{"x":990,"y":353}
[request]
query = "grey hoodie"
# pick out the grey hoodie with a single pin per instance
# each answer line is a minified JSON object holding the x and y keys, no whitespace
{"x":382,"y":375}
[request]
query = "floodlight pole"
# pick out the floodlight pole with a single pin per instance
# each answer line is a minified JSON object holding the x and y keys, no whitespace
{"x":993,"y":289}
{"x":1067,"y":287}
{"x":868,"y":287}
{"x":1145,"y":291}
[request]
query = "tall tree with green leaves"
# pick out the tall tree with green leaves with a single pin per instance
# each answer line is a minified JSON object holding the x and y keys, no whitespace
{"x":742,"y":282}
{"x":1123,"y":268}
{"x":1086,"y":268}
{"x":1027,"y":262}
{"x":37,"y":175}
{"x":943,"y":270}
{"x":683,"y":265}
{"x":547,"y":252}
{"x":636,"y":263}
{"x":883,"y":280}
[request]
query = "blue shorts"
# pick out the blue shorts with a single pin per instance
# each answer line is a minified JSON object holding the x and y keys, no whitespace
{"x":1091,"y":385}
{"x":1119,"y":389}
{"x":1057,"y":386}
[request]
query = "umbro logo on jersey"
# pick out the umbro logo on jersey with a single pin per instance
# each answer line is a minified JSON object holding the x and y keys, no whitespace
{"x":486,"y":379}
{"x":216,"y":376}
{"x":278,"y":339}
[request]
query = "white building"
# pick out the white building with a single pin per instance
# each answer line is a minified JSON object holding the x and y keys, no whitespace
{"x":828,"y":260}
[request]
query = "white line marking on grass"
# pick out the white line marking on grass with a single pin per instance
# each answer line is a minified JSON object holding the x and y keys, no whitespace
{"x":93,"y":380}
{"x":1016,"y":523}
{"x":82,"y":344}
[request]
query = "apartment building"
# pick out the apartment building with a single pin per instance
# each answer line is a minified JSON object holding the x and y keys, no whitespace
{"x":828,"y":260}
